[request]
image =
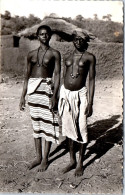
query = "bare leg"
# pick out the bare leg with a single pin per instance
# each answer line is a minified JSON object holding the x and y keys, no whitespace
{"x":38,"y":153}
{"x":79,"y":168}
{"x":44,"y":163}
{"x":72,"y":163}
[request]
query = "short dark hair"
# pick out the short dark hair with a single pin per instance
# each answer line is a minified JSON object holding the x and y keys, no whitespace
{"x":44,"y":27}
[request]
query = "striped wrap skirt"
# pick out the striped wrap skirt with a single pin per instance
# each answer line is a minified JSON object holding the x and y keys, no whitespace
{"x":44,"y":121}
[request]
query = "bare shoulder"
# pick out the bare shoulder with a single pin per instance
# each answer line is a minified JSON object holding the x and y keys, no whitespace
{"x":55,"y":52}
{"x":32,"y":53}
{"x":90,"y":56}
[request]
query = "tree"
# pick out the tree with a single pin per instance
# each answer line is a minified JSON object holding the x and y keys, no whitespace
{"x":6,"y":31}
{"x":7,"y":15}
{"x":95,"y":16}
{"x":33,"y":20}
{"x":107,"y":17}
{"x":79,"y":18}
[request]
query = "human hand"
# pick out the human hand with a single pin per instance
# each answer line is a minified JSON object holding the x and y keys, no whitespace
{"x":89,"y":110}
{"x":54,"y":104}
{"x":22,"y":104}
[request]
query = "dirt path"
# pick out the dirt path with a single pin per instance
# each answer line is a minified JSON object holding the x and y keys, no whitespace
{"x":103,"y":159}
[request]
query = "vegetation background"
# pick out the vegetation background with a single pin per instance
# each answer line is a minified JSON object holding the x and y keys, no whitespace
{"x":106,"y":30}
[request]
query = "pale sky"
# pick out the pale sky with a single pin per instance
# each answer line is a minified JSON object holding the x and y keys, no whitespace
{"x":65,"y":8}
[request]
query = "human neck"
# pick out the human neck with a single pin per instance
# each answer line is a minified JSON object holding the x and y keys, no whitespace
{"x":43,"y":46}
{"x":79,"y":51}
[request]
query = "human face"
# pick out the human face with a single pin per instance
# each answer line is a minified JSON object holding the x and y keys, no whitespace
{"x":79,"y":42}
{"x":44,"y":36}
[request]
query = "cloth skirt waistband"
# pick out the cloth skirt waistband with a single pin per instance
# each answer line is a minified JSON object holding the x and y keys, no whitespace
{"x":31,"y":79}
{"x":82,"y":90}
{"x":33,"y":83}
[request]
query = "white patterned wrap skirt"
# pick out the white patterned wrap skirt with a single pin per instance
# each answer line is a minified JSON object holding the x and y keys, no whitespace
{"x":45,"y":122}
{"x":71,"y":107}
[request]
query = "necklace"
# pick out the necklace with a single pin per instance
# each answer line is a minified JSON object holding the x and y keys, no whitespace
{"x":43,"y":57}
{"x":78,"y":73}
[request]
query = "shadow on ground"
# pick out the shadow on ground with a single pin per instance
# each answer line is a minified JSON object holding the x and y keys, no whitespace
{"x":105,"y":135}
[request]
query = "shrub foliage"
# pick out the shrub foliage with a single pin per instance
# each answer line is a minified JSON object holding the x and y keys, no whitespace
{"x":105,"y":29}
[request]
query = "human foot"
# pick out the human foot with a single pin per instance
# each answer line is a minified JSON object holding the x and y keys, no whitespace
{"x":34,"y":164}
{"x":71,"y":166}
{"x":79,"y":171}
{"x":44,"y":165}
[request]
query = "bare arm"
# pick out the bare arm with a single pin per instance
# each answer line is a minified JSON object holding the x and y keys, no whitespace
{"x":64,"y":68}
{"x":92,"y":80}
{"x":92,"y":72}
{"x":22,"y":100}
{"x":56,"y":77}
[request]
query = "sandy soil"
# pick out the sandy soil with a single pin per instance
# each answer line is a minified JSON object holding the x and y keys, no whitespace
{"x":103,"y":159}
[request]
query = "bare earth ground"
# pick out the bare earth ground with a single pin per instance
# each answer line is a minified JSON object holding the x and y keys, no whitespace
{"x":103,"y":159}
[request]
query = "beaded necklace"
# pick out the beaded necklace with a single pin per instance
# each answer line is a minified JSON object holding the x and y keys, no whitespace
{"x":78,"y":73}
{"x":43,"y":57}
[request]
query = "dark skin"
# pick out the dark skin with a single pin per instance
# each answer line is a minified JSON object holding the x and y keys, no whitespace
{"x":50,"y":62}
{"x":80,"y":64}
